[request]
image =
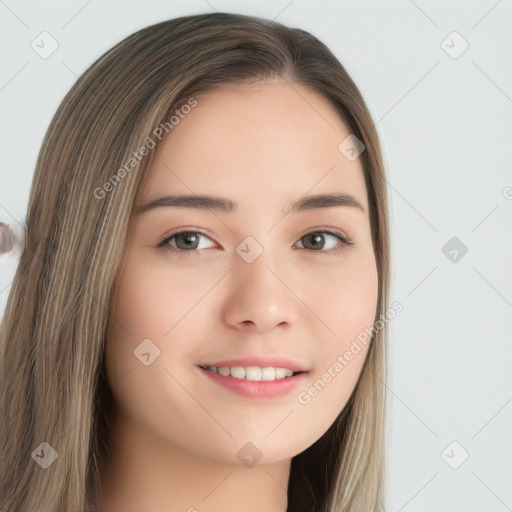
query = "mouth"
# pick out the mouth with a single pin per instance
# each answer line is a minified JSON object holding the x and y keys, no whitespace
{"x":255,"y":381}
{"x":254,"y":373}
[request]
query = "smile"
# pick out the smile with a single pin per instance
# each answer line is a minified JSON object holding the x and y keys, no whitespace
{"x":254,"y":373}
{"x":254,"y":381}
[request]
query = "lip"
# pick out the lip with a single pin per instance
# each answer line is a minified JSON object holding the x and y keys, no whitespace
{"x":262,"y":362}
{"x":256,"y":388}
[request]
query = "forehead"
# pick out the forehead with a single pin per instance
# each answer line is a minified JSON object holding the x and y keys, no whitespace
{"x":260,"y":144}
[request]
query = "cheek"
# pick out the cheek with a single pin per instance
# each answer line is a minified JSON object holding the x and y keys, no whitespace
{"x":344,"y":297}
{"x":153,"y":302}
{"x":347,"y":305}
{"x":153,"y":297}
{"x":141,"y":312}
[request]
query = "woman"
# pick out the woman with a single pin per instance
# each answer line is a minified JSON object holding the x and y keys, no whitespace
{"x":143,"y":372}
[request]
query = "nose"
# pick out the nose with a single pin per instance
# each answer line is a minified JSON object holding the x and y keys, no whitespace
{"x":260,"y":297}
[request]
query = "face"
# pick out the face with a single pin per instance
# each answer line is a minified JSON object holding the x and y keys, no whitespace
{"x":255,"y":284}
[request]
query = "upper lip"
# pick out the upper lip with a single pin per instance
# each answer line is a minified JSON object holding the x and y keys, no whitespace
{"x":260,"y":361}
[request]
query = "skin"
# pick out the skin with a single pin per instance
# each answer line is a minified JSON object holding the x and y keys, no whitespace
{"x":176,"y":435}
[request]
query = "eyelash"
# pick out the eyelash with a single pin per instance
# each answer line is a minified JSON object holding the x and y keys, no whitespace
{"x":163,"y":243}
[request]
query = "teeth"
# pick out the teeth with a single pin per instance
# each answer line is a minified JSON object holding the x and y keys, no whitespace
{"x":237,"y":371}
{"x":223,"y":371}
{"x":268,"y":373}
{"x":281,"y":373}
{"x":252,"y":372}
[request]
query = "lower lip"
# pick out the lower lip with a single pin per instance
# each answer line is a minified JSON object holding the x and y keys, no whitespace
{"x":257,"y":388}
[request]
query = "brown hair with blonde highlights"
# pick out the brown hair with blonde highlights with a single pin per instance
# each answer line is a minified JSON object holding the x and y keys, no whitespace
{"x":53,"y":381}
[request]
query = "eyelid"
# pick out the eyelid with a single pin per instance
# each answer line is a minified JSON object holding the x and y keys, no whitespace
{"x":178,"y":231}
{"x":330,"y":230}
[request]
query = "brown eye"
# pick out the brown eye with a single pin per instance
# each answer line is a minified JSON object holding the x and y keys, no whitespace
{"x":318,"y":241}
{"x":186,"y":240}
{"x":314,"y":241}
{"x":183,"y":241}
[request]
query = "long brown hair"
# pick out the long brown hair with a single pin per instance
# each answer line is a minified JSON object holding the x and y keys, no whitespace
{"x":53,"y":381}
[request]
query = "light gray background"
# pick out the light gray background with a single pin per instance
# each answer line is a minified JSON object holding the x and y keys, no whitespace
{"x":445,"y":126}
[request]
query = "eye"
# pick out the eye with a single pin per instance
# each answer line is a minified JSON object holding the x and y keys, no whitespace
{"x":317,"y":238}
{"x":183,"y":242}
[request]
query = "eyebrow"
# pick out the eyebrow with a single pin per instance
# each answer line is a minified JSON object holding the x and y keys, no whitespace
{"x":223,"y":205}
